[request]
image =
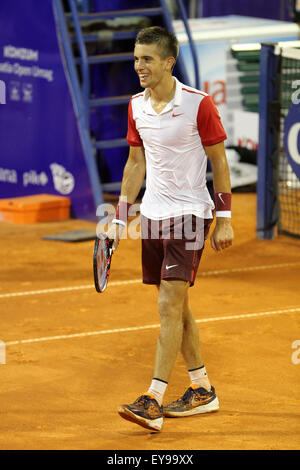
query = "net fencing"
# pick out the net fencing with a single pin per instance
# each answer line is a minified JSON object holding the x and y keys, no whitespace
{"x":278,"y":156}
{"x":288,"y":184}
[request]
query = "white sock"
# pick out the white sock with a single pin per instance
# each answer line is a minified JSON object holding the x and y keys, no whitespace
{"x":157,"y":389}
{"x":199,"y":377}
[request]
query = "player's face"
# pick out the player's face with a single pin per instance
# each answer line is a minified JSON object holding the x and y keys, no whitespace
{"x":149,"y":66}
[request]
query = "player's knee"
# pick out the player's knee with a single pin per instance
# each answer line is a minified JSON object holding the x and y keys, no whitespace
{"x":169,"y":311}
{"x":173,"y":290}
{"x":170,"y":307}
{"x":170,"y":303}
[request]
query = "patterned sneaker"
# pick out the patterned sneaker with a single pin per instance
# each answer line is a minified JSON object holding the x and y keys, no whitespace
{"x":145,"y":411}
{"x":195,"y":400}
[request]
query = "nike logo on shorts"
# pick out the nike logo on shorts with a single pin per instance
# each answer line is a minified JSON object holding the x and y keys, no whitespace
{"x":172,"y":266}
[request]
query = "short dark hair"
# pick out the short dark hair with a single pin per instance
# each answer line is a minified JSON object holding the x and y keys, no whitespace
{"x":166,"y":41}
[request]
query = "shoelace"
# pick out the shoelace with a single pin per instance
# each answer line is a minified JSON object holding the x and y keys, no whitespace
{"x":187,"y":395}
{"x":143,"y":400}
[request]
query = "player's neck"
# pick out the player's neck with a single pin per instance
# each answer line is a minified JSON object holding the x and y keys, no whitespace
{"x":164,"y":91}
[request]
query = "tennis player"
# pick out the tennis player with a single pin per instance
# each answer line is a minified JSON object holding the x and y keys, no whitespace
{"x":172,"y":129}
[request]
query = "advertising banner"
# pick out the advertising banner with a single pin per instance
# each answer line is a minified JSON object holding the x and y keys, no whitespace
{"x":213,"y":37}
{"x":292,"y":137}
{"x":40,"y":147}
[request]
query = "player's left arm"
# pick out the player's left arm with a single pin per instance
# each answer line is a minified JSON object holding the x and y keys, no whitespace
{"x":222,"y":236}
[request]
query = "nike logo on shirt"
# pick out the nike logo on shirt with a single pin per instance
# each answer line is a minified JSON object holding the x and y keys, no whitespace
{"x":175,"y":115}
{"x":172,"y":266}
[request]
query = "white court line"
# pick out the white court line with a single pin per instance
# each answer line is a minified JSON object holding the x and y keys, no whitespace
{"x":147,"y":327}
{"x":65,"y":289}
{"x":136,"y":281}
{"x":248,"y":268}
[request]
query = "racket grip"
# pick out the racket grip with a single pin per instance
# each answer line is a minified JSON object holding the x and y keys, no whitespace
{"x":122,"y":212}
{"x":119,"y":222}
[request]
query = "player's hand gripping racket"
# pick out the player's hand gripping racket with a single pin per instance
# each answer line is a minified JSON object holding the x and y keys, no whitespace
{"x":101,"y":260}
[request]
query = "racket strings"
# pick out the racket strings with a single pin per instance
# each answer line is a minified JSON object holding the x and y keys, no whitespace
{"x":103,"y":260}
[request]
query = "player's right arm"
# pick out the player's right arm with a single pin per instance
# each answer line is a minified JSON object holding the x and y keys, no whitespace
{"x":133,"y":178}
{"x":133,"y":175}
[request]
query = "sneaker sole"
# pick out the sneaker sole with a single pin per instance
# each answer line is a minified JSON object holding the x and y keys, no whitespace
{"x":152,"y":424}
{"x":208,"y":408}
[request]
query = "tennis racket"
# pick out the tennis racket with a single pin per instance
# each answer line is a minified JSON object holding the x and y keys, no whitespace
{"x":101,"y":261}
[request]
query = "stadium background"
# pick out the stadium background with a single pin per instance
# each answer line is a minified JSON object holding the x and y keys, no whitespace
{"x":68,"y":356}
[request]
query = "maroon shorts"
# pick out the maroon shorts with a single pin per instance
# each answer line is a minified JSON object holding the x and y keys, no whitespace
{"x":172,"y":248}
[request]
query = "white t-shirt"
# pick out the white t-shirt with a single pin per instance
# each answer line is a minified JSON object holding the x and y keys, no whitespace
{"x":173,"y":140}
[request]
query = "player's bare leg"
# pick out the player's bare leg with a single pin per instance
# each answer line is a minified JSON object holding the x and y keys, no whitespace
{"x":190,"y":347}
{"x":147,"y":410}
{"x":200,"y":397}
{"x":170,"y":305}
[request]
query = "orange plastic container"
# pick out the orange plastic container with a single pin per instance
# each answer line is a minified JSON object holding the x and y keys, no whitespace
{"x":35,"y":208}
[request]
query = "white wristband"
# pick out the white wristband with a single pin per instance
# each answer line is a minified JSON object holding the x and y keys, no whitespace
{"x":226,"y":214}
{"x":119,"y":222}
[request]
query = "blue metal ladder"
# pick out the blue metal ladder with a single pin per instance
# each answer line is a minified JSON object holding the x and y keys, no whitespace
{"x":81,"y":87}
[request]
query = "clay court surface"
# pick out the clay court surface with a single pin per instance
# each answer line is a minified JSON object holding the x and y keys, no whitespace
{"x":72,"y":355}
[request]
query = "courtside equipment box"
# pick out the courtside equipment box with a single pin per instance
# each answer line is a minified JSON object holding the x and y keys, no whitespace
{"x":35,"y":208}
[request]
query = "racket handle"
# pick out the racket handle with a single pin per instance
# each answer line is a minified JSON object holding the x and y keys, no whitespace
{"x":119,"y":222}
{"x":122,"y":211}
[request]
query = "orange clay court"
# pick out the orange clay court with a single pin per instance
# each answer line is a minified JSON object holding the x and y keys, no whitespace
{"x":73,"y":355}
